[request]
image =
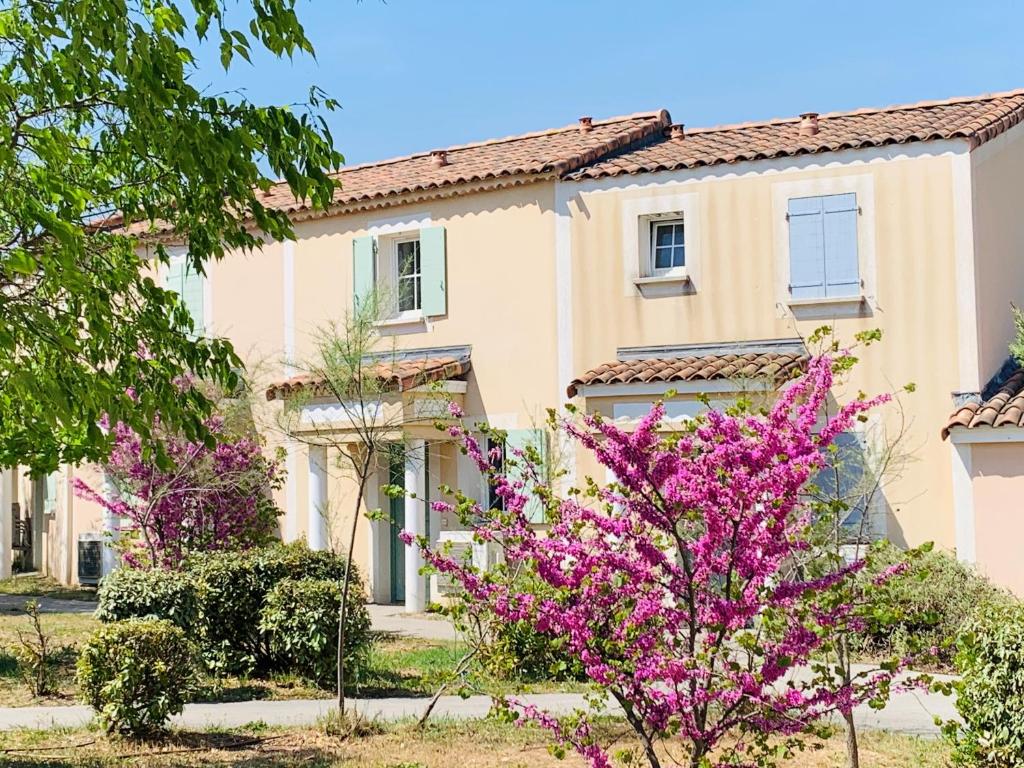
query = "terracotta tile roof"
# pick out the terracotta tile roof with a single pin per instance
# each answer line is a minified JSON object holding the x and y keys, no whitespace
{"x":1003,"y":408}
{"x":513,"y":159}
{"x":694,"y":368}
{"x":977,"y":119}
{"x":398,"y":375}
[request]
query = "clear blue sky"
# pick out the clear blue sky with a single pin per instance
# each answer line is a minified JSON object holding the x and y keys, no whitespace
{"x":415,"y":75}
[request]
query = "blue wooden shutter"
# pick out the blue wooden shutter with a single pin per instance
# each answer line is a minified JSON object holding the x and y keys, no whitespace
{"x":806,"y":248}
{"x":842,"y":273}
{"x":520,"y":439}
{"x":433,"y":267}
{"x":363,"y":253}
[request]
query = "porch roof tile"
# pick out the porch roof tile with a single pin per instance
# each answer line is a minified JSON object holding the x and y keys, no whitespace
{"x":751,"y":365}
{"x":399,"y":375}
{"x":1003,"y":408}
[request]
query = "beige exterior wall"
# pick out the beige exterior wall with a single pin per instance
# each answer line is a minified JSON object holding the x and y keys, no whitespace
{"x":738,"y":240}
{"x":998,"y":483}
{"x":997,"y":171}
{"x":519,"y":260}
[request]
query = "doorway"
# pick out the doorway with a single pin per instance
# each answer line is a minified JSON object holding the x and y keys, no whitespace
{"x":396,"y":508}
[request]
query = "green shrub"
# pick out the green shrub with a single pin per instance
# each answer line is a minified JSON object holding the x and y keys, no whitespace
{"x":300,"y":617}
{"x":515,"y":651}
{"x":132,"y":593}
{"x":136,"y":674}
{"x":933,"y":601}
{"x":232,"y":588}
{"x":990,"y":692}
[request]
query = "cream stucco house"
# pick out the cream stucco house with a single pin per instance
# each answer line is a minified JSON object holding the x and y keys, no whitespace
{"x":612,"y":260}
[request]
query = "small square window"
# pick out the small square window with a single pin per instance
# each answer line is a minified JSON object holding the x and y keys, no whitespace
{"x":668,"y":246}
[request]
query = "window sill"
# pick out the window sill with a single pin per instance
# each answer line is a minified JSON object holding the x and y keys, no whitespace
{"x":396,"y":326}
{"x":829,"y":307}
{"x":664,"y":285}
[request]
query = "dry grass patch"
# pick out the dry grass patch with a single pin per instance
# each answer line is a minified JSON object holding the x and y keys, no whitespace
{"x":474,"y":744}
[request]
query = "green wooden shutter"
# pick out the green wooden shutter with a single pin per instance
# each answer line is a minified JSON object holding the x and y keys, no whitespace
{"x":50,"y":503}
{"x":173,"y":279}
{"x":520,"y":439}
{"x":433,"y":269}
{"x":363,"y":250}
{"x":192,"y":298}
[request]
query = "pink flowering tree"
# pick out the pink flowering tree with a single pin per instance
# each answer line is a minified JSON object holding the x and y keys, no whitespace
{"x":198,"y":498}
{"x":673,"y":585}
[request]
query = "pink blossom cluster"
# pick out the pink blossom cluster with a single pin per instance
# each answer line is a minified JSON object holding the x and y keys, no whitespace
{"x":202,"y":499}
{"x":670,"y":584}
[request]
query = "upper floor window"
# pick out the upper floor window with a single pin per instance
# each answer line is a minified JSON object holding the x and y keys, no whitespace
{"x":409,"y":271}
{"x":668,"y":246}
{"x":823,"y":254}
{"x":406,"y":269}
{"x":188,"y":284}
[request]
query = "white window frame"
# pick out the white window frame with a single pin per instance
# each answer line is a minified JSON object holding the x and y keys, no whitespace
{"x":827,"y":308}
{"x":397,"y":278}
{"x":638,"y":215}
{"x":664,"y":220}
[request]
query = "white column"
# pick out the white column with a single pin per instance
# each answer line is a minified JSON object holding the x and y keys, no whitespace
{"x":316,"y":534}
{"x":415,"y":523}
{"x":963,"y":502}
{"x":6,"y":523}
{"x":111,"y":527}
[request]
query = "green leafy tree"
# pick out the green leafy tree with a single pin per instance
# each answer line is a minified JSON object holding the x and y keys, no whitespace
{"x":108,"y":152}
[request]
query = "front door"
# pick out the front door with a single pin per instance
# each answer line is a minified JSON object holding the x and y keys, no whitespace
{"x":396,"y":476}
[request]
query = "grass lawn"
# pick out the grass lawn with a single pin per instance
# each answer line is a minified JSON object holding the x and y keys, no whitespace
{"x":473,"y":744}
{"x":398,"y":666}
{"x":34,"y":585}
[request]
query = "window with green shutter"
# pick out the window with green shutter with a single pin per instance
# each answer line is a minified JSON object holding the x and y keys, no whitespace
{"x":521,"y":440}
{"x":188,"y":284}
{"x":407,"y":270}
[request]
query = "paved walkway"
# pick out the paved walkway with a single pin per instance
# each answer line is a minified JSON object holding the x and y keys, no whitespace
{"x":906,"y":713}
{"x":393,"y":619}
{"x":16,"y":604}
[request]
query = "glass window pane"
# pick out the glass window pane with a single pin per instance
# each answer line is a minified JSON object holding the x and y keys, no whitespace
{"x":664,"y":235}
{"x":677,"y":232}
{"x":406,"y":294}
{"x":663,"y":258}
{"x":408,"y":258}
{"x":678,"y":256}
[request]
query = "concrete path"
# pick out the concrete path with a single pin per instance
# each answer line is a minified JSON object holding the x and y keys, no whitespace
{"x":393,"y":619}
{"x":16,"y":604}
{"x":907,"y":713}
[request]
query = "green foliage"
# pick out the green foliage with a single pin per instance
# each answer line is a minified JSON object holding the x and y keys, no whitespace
{"x":232,"y":588}
{"x":514,"y":651}
{"x":1017,"y":345}
{"x":37,"y":655}
{"x":136,"y":674}
{"x":103,"y":114}
{"x":990,"y":692}
{"x":925,"y":607}
{"x":132,"y":593}
{"x":300,"y":616}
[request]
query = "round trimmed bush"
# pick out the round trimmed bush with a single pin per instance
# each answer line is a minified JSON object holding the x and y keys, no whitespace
{"x":300,"y":616}
{"x":132,"y":593}
{"x":136,"y":674}
{"x":232,"y":588}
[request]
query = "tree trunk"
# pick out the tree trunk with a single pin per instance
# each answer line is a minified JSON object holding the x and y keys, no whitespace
{"x":343,"y":610}
{"x":852,"y":750}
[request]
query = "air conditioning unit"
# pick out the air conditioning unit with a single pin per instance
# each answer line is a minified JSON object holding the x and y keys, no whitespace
{"x":90,"y":558}
{"x":459,"y":545}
